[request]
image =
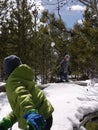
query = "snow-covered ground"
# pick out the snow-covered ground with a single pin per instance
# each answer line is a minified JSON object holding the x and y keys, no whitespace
{"x":71,"y":102}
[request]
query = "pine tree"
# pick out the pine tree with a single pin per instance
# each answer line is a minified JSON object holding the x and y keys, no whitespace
{"x":52,"y":31}
{"x":83,"y":45}
{"x":17,"y":29}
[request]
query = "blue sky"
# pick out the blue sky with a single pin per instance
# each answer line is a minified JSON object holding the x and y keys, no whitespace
{"x":71,"y":17}
{"x":70,"y":14}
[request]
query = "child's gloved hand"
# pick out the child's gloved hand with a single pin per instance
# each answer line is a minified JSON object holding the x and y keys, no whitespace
{"x":35,"y":120}
{"x":5,"y":124}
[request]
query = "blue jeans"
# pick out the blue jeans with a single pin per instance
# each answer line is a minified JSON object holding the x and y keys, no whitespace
{"x":63,"y":76}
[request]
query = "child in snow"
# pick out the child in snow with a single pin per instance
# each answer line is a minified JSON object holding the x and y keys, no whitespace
{"x":30,"y":108}
{"x":64,"y":69}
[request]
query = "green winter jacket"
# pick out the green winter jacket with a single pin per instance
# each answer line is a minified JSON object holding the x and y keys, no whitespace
{"x":24,"y":95}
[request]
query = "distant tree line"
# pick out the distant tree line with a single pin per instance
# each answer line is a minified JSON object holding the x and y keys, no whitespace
{"x":42,"y":42}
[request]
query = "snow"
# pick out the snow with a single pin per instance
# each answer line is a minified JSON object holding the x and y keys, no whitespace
{"x":70,"y":100}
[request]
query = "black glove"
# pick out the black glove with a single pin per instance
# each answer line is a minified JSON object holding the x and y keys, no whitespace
{"x":69,"y":73}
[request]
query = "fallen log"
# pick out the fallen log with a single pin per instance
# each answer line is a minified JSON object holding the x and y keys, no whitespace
{"x":2,"y":87}
{"x":90,"y":117}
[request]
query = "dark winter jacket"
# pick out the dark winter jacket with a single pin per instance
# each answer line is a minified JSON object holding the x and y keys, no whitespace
{"x":24,"y":95}
{"x":64,"y":66}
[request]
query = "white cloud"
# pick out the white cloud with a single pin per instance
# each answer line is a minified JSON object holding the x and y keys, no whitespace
{"x":76,"y":8}
{"x":80,"y":21}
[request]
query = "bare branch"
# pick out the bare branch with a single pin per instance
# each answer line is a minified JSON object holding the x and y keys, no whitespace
{"x":55,"y":3}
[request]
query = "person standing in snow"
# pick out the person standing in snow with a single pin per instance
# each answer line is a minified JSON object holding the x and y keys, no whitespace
{"x":65,"y":69}
{"x":30,"y":107}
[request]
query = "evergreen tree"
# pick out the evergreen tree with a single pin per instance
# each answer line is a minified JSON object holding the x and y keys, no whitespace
{"x":53,"y":31}
{"x":17,"y":29}
{"x":90,"y":29}
{"x":83,"y":45}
